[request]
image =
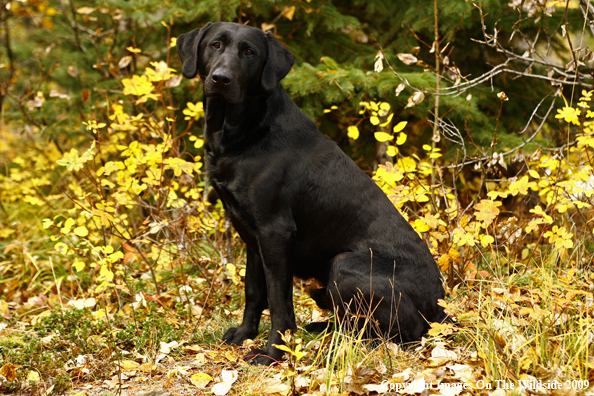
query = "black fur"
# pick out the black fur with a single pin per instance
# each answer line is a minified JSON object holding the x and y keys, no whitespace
{"x":301,"y":205}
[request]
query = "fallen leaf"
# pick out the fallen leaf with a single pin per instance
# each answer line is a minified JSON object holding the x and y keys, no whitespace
{"x":417,"y":386}
{"x":441,"y":352}
{"x":83,"y":303}
{"x":221,"y":389}
{"x":166,"y":347}
{"x":379,"y":388}
{"x":3,"y":308}
{"x":229,"y":376}
{"x":8,"y":371}
{"x":273,"y":386}
{"x":200,"y":380}
{"x":33,"y":376}
{"x":129,"y":365}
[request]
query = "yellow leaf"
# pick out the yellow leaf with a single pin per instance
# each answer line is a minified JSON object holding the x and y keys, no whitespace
{"x":134,"y":50}
{"x":495,"y":194}
{"x":173,"y":42}
{"x":98,"y":314}
{"x":283,"y":348}
{"x":67,"y":226}
{"x":520,"y":186}
{"x":267,"y":26}
{"x":421,"y":226}
{"x":288,"y":12}
{"x":129,"y":365}
{"x":400,"y":126}
{"x":486,"y":240}
{"x":401,"y":139}
{"x":444,"y":262}
{"x":353,"y":132}
{"x":8,"y":371}
{"x":569,"y":114}
{"x":200,"y":380}
{"x":487,"y":210}
{"x":197,"y":141}
{"x":383,"y":125}
{"x":392,"y":151}
{"x":382,"y":136}
{"x":79,"y":266}
{"x":374,"y":120}
{"x":534,"y":174}
{"x":61,"y":247}
{"x":81,"y":231}
{"x":3,"y":308}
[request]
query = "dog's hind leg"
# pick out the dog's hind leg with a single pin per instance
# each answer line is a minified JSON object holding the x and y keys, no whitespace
{"x":375,"y":292}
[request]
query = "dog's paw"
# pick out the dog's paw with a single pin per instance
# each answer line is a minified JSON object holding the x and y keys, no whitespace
{"x":237,"y":335}
{"x":260,"y":356}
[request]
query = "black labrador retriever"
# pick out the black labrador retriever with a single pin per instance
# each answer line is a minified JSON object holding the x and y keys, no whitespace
{"x":300,"y":204}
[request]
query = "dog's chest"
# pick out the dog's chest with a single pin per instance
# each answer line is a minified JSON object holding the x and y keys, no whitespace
{"x":232,"y":186}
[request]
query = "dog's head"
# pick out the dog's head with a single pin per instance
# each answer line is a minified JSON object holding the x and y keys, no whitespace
{"x":234,"y":60}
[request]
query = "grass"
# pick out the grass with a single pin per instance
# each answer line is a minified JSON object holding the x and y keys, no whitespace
{"x":524,"y":328}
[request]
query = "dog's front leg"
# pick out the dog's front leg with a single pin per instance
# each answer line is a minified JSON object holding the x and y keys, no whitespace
{"x":255,"y":301}
{"x":274,"y":249}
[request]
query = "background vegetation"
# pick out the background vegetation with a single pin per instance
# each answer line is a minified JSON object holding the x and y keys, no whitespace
{"x":473,"y":116}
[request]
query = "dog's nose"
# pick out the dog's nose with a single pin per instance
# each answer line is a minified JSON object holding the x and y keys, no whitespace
{"x":221,"y":78}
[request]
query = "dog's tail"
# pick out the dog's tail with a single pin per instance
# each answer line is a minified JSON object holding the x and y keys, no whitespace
{"x":321,"y":297}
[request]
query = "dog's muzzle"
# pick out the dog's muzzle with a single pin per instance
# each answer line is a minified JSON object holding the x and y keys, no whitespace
{"x":223,"y":84}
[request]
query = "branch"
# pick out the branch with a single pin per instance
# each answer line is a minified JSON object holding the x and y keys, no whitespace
{"x":490,"y":157}
{"x":587,"y":9}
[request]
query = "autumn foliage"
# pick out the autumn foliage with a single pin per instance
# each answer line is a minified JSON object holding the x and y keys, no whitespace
{"x":105,"y":208}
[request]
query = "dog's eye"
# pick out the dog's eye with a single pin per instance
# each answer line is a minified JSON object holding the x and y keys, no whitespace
{"x":249,"y":52}
{"x":216,"y":44}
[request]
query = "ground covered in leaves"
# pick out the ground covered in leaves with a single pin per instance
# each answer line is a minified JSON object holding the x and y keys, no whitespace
{"x":149,"y":348}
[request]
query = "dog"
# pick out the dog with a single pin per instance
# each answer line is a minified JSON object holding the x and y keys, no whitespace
{"x":300,"y":204}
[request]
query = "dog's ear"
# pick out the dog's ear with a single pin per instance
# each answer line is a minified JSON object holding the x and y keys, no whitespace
{"x":188,"y":45}
{"x":278,"y":63}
